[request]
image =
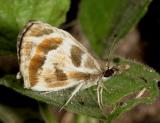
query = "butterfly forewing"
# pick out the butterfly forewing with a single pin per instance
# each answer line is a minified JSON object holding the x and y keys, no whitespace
{"x":51,"y":59}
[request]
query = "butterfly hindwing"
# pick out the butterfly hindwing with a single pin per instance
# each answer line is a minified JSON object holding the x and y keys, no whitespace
{"x":51,"y":59}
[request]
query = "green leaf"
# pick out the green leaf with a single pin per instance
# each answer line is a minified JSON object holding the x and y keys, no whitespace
{"x":15,"y":13}
{"x":132,"y":80}
{"x":104,"y":22}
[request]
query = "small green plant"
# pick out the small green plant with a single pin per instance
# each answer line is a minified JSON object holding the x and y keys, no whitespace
{"x":104,"y":23}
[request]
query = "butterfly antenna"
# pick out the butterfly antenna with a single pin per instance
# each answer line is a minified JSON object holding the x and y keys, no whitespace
{"x":111,"y":50}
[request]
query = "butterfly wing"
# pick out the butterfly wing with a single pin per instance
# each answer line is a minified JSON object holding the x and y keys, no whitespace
{"x":51,"y":59}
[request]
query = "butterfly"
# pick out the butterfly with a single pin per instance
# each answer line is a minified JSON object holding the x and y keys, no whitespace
{"x":50,"y":59}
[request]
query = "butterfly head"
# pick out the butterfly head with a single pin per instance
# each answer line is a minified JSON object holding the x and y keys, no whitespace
{"x":109,"y":72}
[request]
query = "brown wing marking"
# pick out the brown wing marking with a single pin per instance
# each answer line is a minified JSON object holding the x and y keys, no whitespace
{"x":54,"y":75}
{"x":32,"y":29}
{"x":57,"y":84}
{"x":56,"y":79}
{"x":82,"y":76}
{"x":76,"y":54}
{"x":60,"y":75}
{"x":38,"y":59}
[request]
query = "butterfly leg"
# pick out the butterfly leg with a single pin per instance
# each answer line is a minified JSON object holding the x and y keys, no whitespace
{"x":72,"y":94}
{"x":105,"y":89}
{"x":99,"y":95}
